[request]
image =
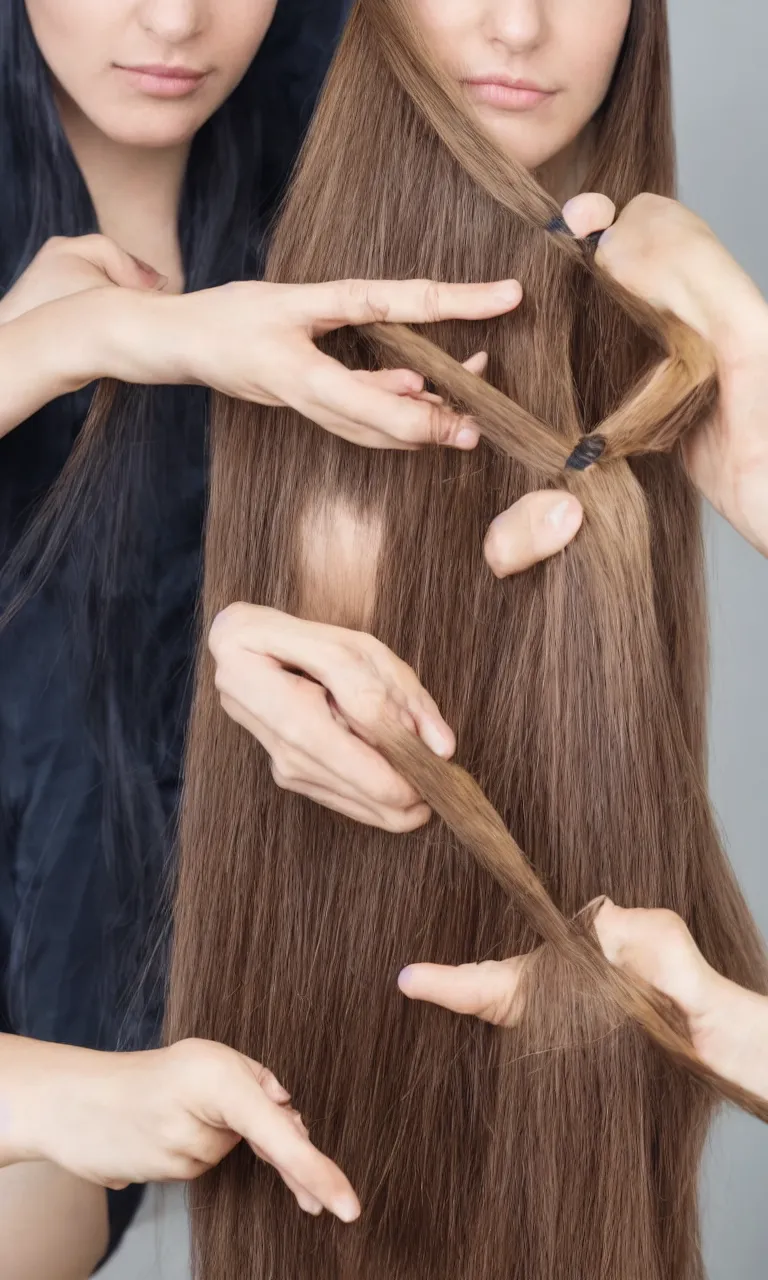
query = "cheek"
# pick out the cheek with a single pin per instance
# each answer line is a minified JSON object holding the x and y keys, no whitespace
{"x":238,"y":29}
{"x":70,"y":35}
{"x":596,"y":43}
{"x":445,"y":23}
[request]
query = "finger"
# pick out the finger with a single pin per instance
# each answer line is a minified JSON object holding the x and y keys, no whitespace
{"x":487,"y":991}
{"x":380,"y":685}
{"x":271,"y":1133}
{"x":404,"y":382}
{"x":340,"y":399}
{"x":535,"y":528}
{"x":398,"y":821}
{"x":269,"y":1082}
{"x":121,"y":267}
{"x":292,"y":720}
{"x":310,"y":1204}
{"x":330,"y":306}
{"x":588,"y":213}
{"x":477,"y":364}
{"x":400,"y":382}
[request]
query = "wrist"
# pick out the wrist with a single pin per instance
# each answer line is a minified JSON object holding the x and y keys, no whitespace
{"x":739,"y":332}
{"x":139,"y":337}
{"x":24,"y":1064}
{"x":732,"y":1035}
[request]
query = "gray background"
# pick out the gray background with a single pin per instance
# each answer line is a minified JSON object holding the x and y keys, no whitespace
{"x":720,"y":48}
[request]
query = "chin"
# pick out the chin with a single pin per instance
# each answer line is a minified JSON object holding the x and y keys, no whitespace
{"x":531,"y":152}
{"x":150,"y":135}
{"x":151,"y":128}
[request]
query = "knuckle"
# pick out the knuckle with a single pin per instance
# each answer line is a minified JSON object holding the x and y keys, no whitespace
{"x":669,"y":928}
{"x":286,"y":768}
{"x":431,"y":301}
{"x":181,"y":1167}
{"x":227,"y":626}
{"x":235,"y":615}
{"x":363,"y":296}
{"x":401,"y":821}
{"x":194,"y":1054}
{"x":53,"y":245}
{"x":371,"y":705}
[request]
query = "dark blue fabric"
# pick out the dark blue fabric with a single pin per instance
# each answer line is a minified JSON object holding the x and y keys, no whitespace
{"x":60,"y":906}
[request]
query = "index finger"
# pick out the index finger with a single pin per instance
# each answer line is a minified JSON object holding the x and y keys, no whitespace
{"x":268,"y":1129}
{"x":330,"y":306}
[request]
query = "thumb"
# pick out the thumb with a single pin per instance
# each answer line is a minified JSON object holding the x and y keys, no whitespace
{"x":588,"y":213}
{"x":535,"y":528}
{"x":488,"y":990}
{"x":120,"y":266}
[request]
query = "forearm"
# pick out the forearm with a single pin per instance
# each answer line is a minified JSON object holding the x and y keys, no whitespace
{"x":44,"y":354}
{"x":98,"y":333}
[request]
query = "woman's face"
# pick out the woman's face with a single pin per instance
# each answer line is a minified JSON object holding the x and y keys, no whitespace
{"x":149,"y":73}
{"x":536,"y":70}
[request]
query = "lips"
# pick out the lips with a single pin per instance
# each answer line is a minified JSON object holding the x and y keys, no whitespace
{"x":507,"y":94}
{"x":163,"y":81}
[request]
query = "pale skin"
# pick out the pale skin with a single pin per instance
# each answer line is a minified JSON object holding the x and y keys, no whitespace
{"x":110,"y":305}
{"x":728,"y":1025}
{"x":86,"y":310}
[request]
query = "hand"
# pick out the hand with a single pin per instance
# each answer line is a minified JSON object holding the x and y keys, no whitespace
{"x":255,"y":341}
{"x":728,"y":1025}
{"x":314,"y":725}
{"x":667,"y":255}
{"x":162,"y":1116}
{"x":69,"y":265}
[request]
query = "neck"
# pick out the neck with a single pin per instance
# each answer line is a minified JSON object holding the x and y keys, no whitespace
{"x":135,"y":191}
{"x":564,"y":175}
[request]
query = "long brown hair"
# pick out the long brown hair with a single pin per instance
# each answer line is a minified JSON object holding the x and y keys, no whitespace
{"x":570,"y":1145}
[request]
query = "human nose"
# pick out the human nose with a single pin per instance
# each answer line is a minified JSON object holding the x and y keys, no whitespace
{"x":516,"y":25}
{"x":173,"y":21}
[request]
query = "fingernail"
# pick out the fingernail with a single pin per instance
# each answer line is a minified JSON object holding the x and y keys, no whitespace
{"x":282,"y":1093}
{"x":405,"y":977}
{"x":144,"y":266}
{"x":467,"y":438}
{"x":346,"y":1208}
{"x":159,"y":280}
{"x":435,"y":738}
{"x":565,"y":516}
{"x":509,"y":292}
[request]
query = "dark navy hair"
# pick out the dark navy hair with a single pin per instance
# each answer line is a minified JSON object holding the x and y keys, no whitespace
{"x":136,"y":539}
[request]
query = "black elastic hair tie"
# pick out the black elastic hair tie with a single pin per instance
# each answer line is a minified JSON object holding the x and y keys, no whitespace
{"x":587,"y":452}
{"x":559,"y":224}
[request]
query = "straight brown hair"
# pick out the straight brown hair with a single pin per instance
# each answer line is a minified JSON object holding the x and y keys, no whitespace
{"x":570,"y":1145}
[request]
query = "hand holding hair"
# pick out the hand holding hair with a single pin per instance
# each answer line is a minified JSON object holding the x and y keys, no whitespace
{"x":81,"y":312}
{"x":668,"y":256}
{"x":166,"y":1115}
{"x":308,"y":692}
{"x":728,"y":1025}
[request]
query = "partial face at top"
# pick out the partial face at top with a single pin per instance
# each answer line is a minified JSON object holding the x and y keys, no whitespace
{"x":536,"y":70}
{"x":149,"y":73}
